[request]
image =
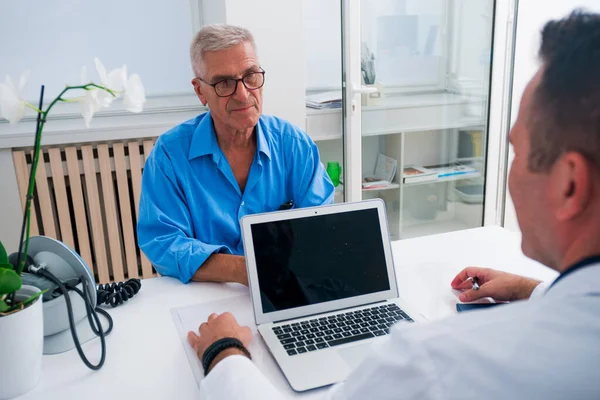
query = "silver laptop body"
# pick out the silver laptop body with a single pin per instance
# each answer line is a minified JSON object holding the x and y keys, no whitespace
{"x":323,"y":287}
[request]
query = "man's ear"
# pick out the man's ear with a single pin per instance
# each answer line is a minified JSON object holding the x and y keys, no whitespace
{"x":198,"y":90}
{"x":571,"y":185}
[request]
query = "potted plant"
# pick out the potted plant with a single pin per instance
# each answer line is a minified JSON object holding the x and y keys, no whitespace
{"x":21,"y":332}
{"x":21,"y":320}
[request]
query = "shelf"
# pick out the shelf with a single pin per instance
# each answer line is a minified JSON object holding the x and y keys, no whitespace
{"x":397,"y":114}
{"x":447,"y":179}
{"x":470,"y":159}
{"x":391,"y":186}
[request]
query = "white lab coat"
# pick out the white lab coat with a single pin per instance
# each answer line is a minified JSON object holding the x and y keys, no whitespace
{"x":545,"y":348}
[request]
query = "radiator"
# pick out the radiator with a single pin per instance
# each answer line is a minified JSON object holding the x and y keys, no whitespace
{"x":87,"y":196}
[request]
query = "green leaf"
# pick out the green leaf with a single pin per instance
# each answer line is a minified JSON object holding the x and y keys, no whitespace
{"x":3,"y":254}
{"x":32,"y":298}
{"x":25,"y":303}
{"x":9,"y":266}
{"x":3,"y":306}
{"x":9,"y":281}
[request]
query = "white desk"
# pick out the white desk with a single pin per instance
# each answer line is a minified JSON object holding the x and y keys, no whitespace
{"x":146,"y":360}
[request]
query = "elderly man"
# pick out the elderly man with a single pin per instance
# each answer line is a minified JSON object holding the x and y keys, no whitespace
{"x":207,"y":173}
{"x":544,"y":348}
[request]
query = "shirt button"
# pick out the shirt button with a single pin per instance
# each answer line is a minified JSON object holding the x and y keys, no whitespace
{"x":242,"y":203}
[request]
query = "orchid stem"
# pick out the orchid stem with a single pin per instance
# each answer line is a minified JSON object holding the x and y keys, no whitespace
{"x":34,"y":108}
{"x":25,"y":229}
{"x":41,"y":121}
{"x":73,"y":100}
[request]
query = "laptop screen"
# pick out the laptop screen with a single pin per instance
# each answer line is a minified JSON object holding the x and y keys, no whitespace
{"x":320,"y":258}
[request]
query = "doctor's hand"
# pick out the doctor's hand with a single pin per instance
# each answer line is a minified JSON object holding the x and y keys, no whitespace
{"x":499,"y":285}
{"x":219,"y":327}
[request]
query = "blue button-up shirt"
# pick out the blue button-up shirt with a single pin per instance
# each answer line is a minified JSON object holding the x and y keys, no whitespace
{"x":191,"y":203}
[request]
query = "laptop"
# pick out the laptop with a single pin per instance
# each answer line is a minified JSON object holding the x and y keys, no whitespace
{"x":323,"y":287}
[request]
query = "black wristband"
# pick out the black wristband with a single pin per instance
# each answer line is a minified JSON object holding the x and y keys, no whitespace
{"x":217,"y":347}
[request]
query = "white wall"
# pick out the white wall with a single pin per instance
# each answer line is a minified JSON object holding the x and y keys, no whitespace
{"x":280,"y":49}
{"x":55,"y":38}
{"x":533,"y":14}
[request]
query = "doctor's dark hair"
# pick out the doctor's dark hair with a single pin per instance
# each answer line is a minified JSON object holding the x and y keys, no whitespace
{"x":566,"y":102}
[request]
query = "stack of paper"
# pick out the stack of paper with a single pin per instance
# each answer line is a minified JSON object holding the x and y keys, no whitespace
{"x":374,"y":183}
{"x":451,"y":169}
{"x":416,"y":174}
{"x":431,"y":173}
{"x":325,"y":100}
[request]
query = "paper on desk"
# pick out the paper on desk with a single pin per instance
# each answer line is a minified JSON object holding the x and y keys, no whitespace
{"x":189,"y":318}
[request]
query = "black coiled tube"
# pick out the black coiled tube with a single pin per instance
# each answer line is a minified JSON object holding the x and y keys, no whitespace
{"x":92,"y":315}
{"x":114,"y":294}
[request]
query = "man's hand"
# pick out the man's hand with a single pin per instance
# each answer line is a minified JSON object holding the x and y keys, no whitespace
{"x":219,"y":327}
{"x":501,"y":286}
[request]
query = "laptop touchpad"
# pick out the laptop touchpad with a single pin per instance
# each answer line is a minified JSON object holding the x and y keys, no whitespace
{"x":355,"y":355}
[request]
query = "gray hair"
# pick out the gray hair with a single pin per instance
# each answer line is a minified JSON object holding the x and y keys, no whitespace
{"x":216,"y":37}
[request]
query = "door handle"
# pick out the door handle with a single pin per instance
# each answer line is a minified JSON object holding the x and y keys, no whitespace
{"x":362,"y":89}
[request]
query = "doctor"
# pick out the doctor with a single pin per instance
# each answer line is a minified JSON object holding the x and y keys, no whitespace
{"x":544,"y":348}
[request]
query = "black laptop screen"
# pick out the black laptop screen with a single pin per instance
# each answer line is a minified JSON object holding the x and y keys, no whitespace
{"x":320,"y":258}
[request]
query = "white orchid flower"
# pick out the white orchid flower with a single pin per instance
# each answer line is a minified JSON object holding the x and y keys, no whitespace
{"x":89,"y":102}
{"x":114,"y":80}
{"x":12,"y":104}
{"x":135,"y":94}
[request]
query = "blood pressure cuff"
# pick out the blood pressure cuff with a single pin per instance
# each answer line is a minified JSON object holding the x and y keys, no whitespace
{"x":52,"y":289}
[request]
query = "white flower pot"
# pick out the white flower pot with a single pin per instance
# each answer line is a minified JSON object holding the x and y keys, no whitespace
{"x":21,"y":343}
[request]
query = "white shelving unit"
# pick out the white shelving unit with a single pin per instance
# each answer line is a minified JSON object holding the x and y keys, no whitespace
{"x":391,"y":186}
{"x":397,"y":113}
{"x":447,"y":179}
{"x":400,"y":117}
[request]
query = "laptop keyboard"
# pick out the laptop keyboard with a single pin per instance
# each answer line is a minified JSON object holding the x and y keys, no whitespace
{"x":334,"y":330}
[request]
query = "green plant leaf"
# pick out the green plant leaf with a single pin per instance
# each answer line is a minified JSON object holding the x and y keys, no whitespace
{"x":3,"y":306}
{"x":32,"y":298}
{"x":9,"y":266}
{"x":27,"y":302}
{"x":3,"y":254}
{"x":9,"y":281}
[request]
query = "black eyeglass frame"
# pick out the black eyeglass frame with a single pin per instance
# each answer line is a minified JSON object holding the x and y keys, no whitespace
{"x":237,"y":81}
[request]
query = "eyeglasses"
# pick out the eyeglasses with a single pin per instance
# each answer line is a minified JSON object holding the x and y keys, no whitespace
{"x":227,"y":87}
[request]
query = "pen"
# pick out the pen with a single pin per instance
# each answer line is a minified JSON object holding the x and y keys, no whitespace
{"x":475,"y":281}
{"x":287,"y":206}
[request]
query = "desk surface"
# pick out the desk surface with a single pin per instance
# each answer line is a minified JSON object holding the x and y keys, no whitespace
{"x":146,"y":360}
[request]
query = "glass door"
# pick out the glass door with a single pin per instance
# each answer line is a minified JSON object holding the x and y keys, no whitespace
{"x":424,"y":71}
{"x":322,"y":24}
{"x":398,"y":93}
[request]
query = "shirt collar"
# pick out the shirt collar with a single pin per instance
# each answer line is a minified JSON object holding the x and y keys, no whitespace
{"x":262,"y":143}
{"x":204,"y":141}
{"x":583,"y":278}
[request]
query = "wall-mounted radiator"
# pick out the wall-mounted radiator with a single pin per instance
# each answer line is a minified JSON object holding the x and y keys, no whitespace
{"x":87,"y":196}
